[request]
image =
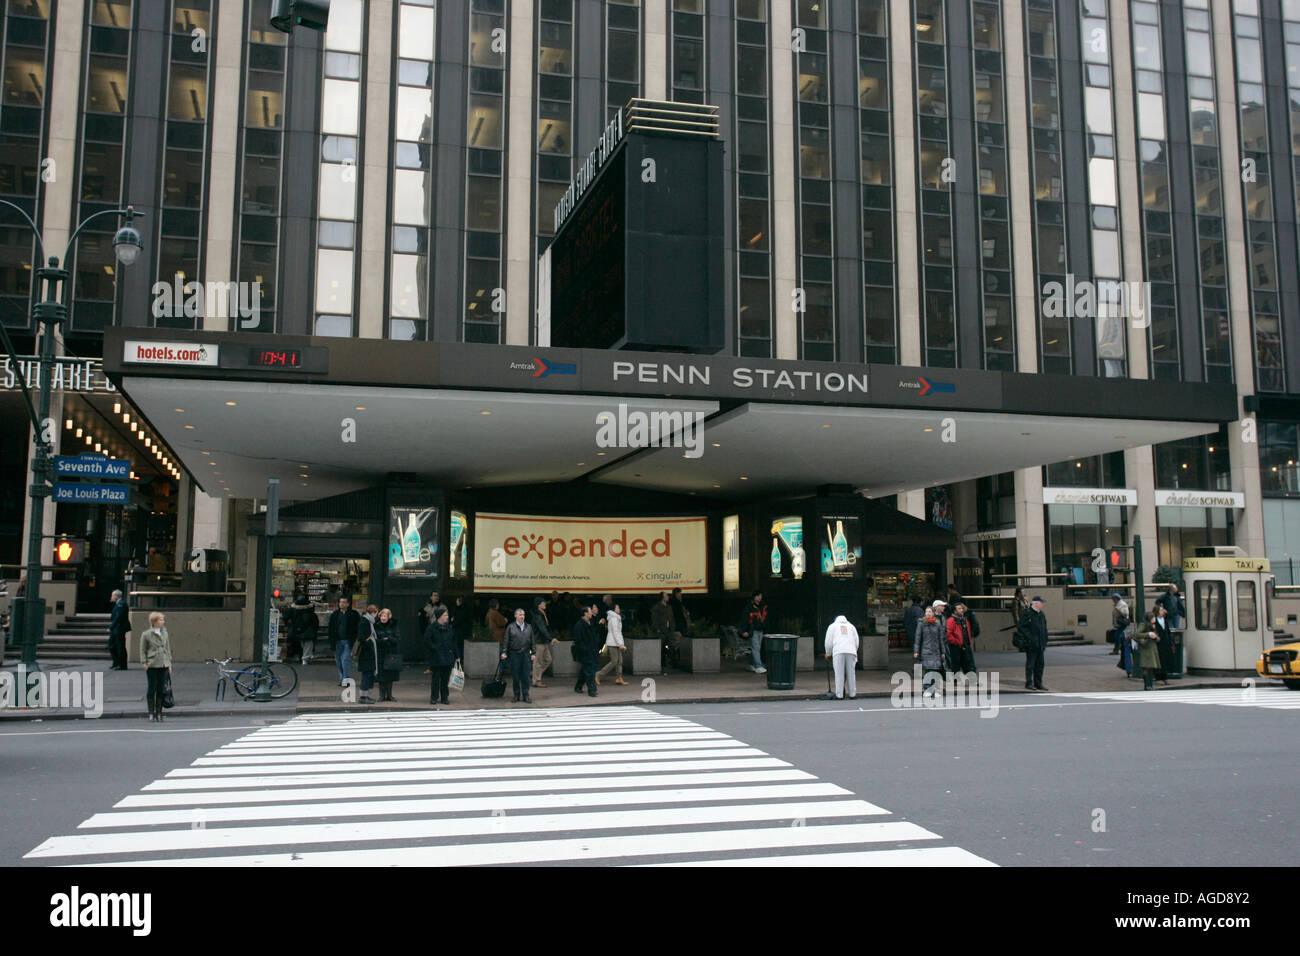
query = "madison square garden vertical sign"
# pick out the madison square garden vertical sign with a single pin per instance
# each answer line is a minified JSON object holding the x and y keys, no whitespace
{"x":514,"y":553}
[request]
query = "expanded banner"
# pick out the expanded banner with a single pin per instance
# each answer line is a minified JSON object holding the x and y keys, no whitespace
{"x":590,"y":555}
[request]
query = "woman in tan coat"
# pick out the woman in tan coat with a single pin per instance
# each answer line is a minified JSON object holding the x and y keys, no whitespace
{"x":156,"y":658}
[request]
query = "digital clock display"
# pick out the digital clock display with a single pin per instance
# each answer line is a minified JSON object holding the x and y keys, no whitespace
{"x":275,"y":358}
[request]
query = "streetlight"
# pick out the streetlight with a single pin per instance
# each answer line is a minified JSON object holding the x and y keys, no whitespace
{"x":51,"y":308}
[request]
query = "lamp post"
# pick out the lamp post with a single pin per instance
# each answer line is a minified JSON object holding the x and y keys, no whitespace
{"x":51,"y":308}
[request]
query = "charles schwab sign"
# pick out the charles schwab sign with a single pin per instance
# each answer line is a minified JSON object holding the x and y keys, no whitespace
{"x":1090,"y":496}
{"x":1200,"y":499}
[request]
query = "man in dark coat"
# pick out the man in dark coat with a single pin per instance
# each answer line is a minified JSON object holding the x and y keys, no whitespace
{"x":1172,"y":602}
{"x":119,"y":626}
{"x":586,"y":648}
{"x":1033,"y":624}
{"x":440,"y":645}
{"x":342,"y":628}
{"x":518,"y":649}
{"x":911,"y":618}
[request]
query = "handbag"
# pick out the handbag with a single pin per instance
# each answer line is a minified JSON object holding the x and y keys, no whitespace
{"x":573,"y":652}
{"x":457,"y":679}
{"x":392,"y":661}
{"x":356,"y":652}
{"x":168,"y":701}
{"x":1021,"y":640}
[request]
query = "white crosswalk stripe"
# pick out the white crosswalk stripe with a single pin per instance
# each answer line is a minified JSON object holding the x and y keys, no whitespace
{"x":616,"y":785}
{"x":1269,"y":696}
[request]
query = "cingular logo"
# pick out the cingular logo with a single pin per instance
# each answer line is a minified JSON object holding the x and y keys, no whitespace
{"x":547,"y":548}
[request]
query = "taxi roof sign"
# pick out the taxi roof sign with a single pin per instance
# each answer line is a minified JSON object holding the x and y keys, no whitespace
{"x":1245,"y":565}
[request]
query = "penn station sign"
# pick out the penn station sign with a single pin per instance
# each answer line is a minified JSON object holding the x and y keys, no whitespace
{"x":793,"y":381}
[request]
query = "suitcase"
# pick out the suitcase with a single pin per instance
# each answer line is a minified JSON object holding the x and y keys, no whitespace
{"x":495,"y":686}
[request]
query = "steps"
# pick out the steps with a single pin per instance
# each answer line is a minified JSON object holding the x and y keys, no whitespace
{"x":83,"y":637}
{"x":1060,"y":637}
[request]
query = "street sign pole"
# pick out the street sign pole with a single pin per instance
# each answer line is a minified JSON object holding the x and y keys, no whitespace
{"x":1137,"y":570}
{"x":266,"y":614}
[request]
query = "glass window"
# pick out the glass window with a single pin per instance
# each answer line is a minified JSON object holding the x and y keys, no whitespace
{"x":415,"y":38}
{"x":483,"y":203}
{"x":335,"y":326}
{"x":346,"y":26}
{"x":481,"y":40}
{"x":1151,"y":115}
{"x":485,"y":126}
{"x":414,"y":120}
{"x":1247,"y":615}
{"x":106,"y":85}
{"x":1101,"y":181}
{"x":409,"y":285}
{"x":338,"y":191}
{"x":1211,"y":605}
{"x":340,"y":102}
{"x":873,"y":85}
{"x":334,"y":281}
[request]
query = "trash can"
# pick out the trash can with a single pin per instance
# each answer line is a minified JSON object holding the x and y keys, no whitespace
{"x":780,"y":652}
{"x":1177,"y":671}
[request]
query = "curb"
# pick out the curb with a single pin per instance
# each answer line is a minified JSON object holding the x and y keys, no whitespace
{"x":127,"y":715}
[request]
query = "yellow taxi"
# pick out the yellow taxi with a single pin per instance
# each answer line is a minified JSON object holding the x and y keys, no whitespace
{"x":1281,"y":663}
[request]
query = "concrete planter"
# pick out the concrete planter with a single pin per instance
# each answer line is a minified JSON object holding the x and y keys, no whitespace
{"x":701,"y":655}
{"x":873,"y":653}
{"x":643,"y":656}
{"x":481,"y":658}
{"x":562,"y":662}
{"x":804,"y":656}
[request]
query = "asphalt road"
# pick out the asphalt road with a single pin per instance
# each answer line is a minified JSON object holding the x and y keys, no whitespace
{"x":1050,"y":780}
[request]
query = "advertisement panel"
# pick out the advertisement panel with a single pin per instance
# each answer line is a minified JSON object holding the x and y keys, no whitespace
{"x":412,"y":542}
{"x":514,"y":553}
{"x":731,"y":553}
{"x":173,"y":353}
{"x":459,"y":545}
{"x":787,"y":547}
{"x":938,"y":505}
{"x":841,"y":546}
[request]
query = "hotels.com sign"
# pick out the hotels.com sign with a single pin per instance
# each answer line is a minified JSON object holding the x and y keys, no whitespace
{"x":162,"y":353}
{"x":621,"y":555}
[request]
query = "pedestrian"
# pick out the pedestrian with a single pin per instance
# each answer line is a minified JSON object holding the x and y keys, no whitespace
{"x":388,"y":643}
{"x":462,"y":622}
{"x":366,"y":652}
{"x":290,"y":646}
{"x":663,"y":627}
{"x":440,"y":645}
{"x":496,"y":621}
{"x":1018,"y":607}
{"x":1033,"y":624}
{"x":940,"y":608}
{"x":119,"y":626}
{"x":606,"y":605}
{"x":542,"y":657}
{"x":1165,"y":646}
{"x":912,"y":617}
{"x":753,"y":622}
{"x":156,"y":659}
{"x":928,"y":648}
{"x":341,"y":628}
{"x":586,"y":649}
{"x":428,"y":613}
{"x":1172,"y":602}
{"x":1118,"y":622}
{"x":961,"y":640}
{"x":614,"y":645}
{"x":303,"y":625}
{"x":681,"y":616}
{"x":517,"y":649}
{"x":1148,"y":650}
{"x":954,"y":597}
{"x":841,"y":649}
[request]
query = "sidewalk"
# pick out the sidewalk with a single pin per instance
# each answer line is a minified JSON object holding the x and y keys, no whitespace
{"x":1069,"y":670}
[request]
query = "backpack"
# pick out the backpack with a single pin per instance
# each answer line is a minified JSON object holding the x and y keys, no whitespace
{"x":1022,"y":641}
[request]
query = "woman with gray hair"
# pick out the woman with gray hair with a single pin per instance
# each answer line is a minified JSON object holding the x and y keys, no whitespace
{"x":928,"y":648}
{"x":156,"y":657}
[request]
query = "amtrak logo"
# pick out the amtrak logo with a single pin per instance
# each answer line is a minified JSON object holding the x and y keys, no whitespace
{"x":541,"y":369}
{"x":924,"y":386}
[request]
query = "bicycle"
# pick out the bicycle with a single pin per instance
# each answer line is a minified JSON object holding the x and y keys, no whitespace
{"x":281,"y":678}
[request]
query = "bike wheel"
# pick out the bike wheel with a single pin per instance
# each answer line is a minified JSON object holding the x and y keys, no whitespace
{"x":245,"y":682}
{"x":283,"y":679}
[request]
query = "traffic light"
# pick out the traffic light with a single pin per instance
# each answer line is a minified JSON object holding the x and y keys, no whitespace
{"x":69,"y":551}
{"x":287,"y":14}
{"x":1121,"y":558}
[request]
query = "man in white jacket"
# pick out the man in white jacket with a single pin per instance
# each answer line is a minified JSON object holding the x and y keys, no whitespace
{"x":842,"y":652}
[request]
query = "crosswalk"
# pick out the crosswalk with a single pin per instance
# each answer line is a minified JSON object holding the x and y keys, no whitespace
{"x":1268,"y":696}
{"x":617,"y":785}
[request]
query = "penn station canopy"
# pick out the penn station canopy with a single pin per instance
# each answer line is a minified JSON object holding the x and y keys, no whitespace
{"x":236,"y":409}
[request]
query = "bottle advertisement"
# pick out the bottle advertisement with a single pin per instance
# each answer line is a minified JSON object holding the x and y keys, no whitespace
{"x":840,"y":546}
{"x":787,"y":547}
{"x":459,"y":545}
{"x":412,"y":542}
{"x":731,"y":553}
